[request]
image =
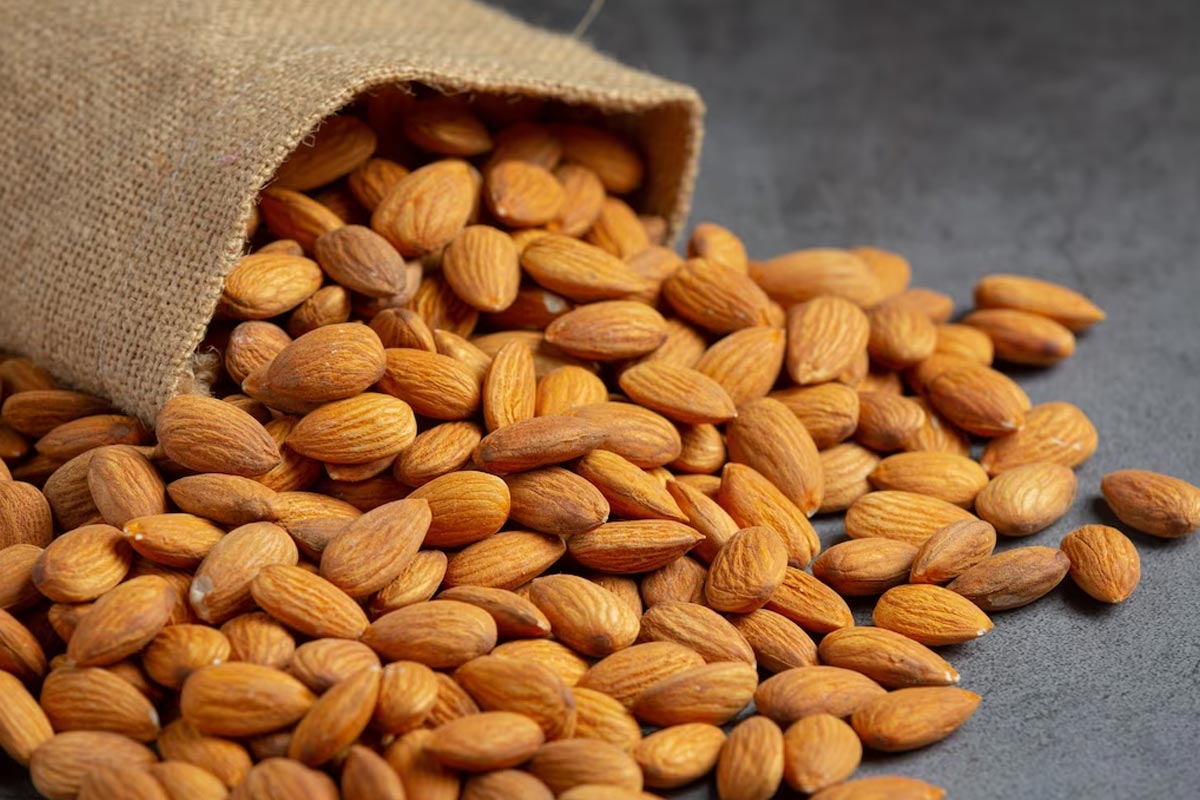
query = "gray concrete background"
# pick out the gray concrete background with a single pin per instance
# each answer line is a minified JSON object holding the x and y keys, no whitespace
{"x":1055,"y":138}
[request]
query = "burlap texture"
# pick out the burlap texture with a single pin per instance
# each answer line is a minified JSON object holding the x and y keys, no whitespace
{"x":137,"y":134}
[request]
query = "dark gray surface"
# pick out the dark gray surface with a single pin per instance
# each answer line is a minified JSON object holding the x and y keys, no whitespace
{"x":1058,"y":139}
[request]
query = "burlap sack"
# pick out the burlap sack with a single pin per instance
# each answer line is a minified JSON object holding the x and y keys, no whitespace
{"x":137,"y":133}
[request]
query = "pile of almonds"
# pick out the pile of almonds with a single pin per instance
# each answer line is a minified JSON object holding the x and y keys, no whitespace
{"x":502,"y":498}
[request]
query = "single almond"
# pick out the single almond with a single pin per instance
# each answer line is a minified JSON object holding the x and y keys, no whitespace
{"x":910,"y":718}
{"x":810,"y":603}
{"x":1034,"y":296}
{"x":577,"y":270}
{"x":778,"y":643}
{"x":889,"y":658}
{"x":601,"y":716}
{"x":767,"y":436}
{"x":433,"y":384}
{"x":1152,"y":502}
{"x":753,"y":500}
{"x":718,"y":245}
{"x":952,"y":550}
{"x":584,"y":615}
{"x":226,"y":759}
{"x":801,"y":692}
{"x":533,"y":690}
{"x":427,"y":208}
{"x":698,"y":628}
{"x":23,"y":723}
{"x":865,"y":566}
{"x":567,"y":763}
{"x":240,"y":699}
{"x":903,"y":516}
{"x":436,"y":303}
{"x":504,"y":560}
{"x":900,"y":336}
{"x":713,"y":693}
{"x":374,"y":548}
{"x":1058,"y":433}
{"x":321,"y":663}
{"x":440,"y":450}
{"x":537,"y":442}
{"x":1027,"y":499}
{"x":746,"y":571}
{"x":1020,"y":337}
{"x":678,"y":392}
{"x":96,"y":699}
{"x":631,"y":492}
{"x":481,"y":264}
{"x":751,"y":764}
{"x":679,"y":754}
{"x":887,"y":422}
{"x":716,"y":298}
{"x":618,"y":230}
{"x":123,"y":620}
{"x":555,"y":500}
{"x":819,"y":750}
{"x":59,"y":765}
{"x":206,"y":435}
{"x":846,"y":468}
{"x":366,"y":775}
{"x":562,"y":660}
{"x":265,"y":284}
{"x":930,"y":615}
{"x":640,"y":435}
{"x":828,"y":411}
{"x":221,"y":586}
{"x":175,"y":540}
{"x":335,"y":149}
{"x":1013,"y":578}
{"x":332,"y":362}
{"x":258,"y":638}
{"x":1104,"y":563}
{"x":82,"y":564}
{"x":804,"y":274}
{"x":953,"y":478}
{"x":307,"y":602}
{"x":746,"y":363}
{"x":86,"y":433}
{"x":39,"y":411}
{"x":336,"y":719}
{"x":965,"y":341}
{"x":437,"y":633}
{"x":980,"y":400}
{"x":421,"y":774}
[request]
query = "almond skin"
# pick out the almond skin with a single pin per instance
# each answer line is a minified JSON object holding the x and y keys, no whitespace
{"x":715,"y":298}
{"x":433,"y":384}
{"x":819,"y":750}
{"x":361,"y":260}
{"x":372,"y":550}
{"x":240,"y":699}
{"x":632,"y":546}
{"x":696,"y":627}
{"x":980,"y":400}
{"x":751,"y":764}
{"x":930,"y":615}
{"x":1027,"y":499}
{"x":332,"y":362}
{"x":335,"y":149}
{"x":206,"y":435}
{"x":966,"y":342}
{"x":952,"y":550}
{"x":123,"y":620}
{"x":768,"y":437}
{"x":608,"y":331}
{"x":865,"y":566}
{"x":804,"y":274}
{"x":437,"y":451}
{"x":603,"y":717}
{"x":437,"y":633}
{"x":537,"y":442}
{"x":714,"y":693}
{"x":465,"y":507}
{"x":584,"y":615}
{"x":828,"y":411}
{"x":407,"y":693}
{"x":778,"y":643}
{"x":798,"y":693}
{"x":630,"y":491}
{"x":903,"y":516}
{"x":555,"y":500}
{"x":59,"y":765}
{"x":321,"y":663}
{"x":504,"y":560}
{"x":677,"y":392}
{"x":887,"y":422}
{"x":533,"y":690}
{"x":910,"y":718}
{"x":1050,"y":300}
{"x":949,"y":477}
{"x":1152,"y":502}
{"x":82,"y":564}
{"x":221,"y":586}
{"x":746,"y":363}
{"x":1023,"y":338}
{"x":522,"y":194}
{"x":23,"y":723}
{"x":1013,"y":578}
{"x":746,"y":571}
{"x":485,"y":742}
{"x":625,"y":674}
{"x":266,"y":284}
{"x":810,"y":603}
{"x":889,"y":658}
{"x":308,"y":603}
{"x":427,"y":208}
{"x":96,"y":699}
{"x":1104,"y":563}
{"x":1059,"y":433}
{"x":846,"y":468}
{"x":336,"y":718}
{"x":679,"y":754}
{"x":579,"y":271}
{"x":900,"y":337}
{"x":568,"y":763}
{"x":825,"y":334}
{"x":752,"y":500}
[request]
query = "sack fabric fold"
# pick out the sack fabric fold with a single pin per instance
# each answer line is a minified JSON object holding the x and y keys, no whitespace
{"x":138,"y":134}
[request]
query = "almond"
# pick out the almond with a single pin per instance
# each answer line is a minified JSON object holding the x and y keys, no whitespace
{"x":257,"y":638}
{"x":336,"y":718}
{"x":240,"y":699}
{"x":407,"y":693}
{"x":124,"y":485}
{"x":59,"y":765}
{"x":713,"y":693}
{"x":889,"y":787}
{"x":504,"y":560}
{"x":746,"y":571}
{"x":374,"y":548}
{"x":630,"y":491}
{"x":751,"y":764}
{"x":910,"y":718}
{"x":527,"y":141}
{"x":583,"y":199}
{"x":1013,"y":578}
{"x":679,"y":754}
{"x":357,"y":430}
{"x":798,"y":693}
{"x":903,"y":516}
{"x":1152,"y":502}
{"x":441,"y":309}
{"x":417,"y":582}
{"x":618,"y":230}
{"x":482,"y":267}
{"x":361,"y":260}
{"x":1058,"y":433}
{"x":433,"y":384}
{"x":332,"y":362}
{"x":427,"y":208}
{"x":892,"y":269}
{"x":829,"y":411}
{"x":938,"y":434}
{"x":948,"y":477}
{"x":175,"y":540}
{"x":39,"y":411}
{"x":900,"y":337}
{"x":746,"y":362}
{"x":96,"y":699}
{"x":532,"y":690}
{"x":221,"y":586}
{"x":809,"y":603}
{"x":886,"y":657}
{"x":632,"y":546}
{"x":886,"y":421}
{"x":307,"y":602}
{"x":768,"y":437}
{"x":20,"y":652}
{"x":422,"y":775}
{"x":366,"y":775}
{"x":603,"y":717}
{"x":1050,"y":300}
{"x":952,"y":550}
{"x":1023,"y":338}
{"x":865,"y":566}
{"x":277,"y":775}
{"x":804,"y":274}
{"x":1104,"y":563}
{"x":716,"y":298}
{"x":625,"y":674}
{"x":23,"y":724}
{"x":965,"y":341}
{"x":980,"y":400}
{"x":321,"y":663}
{"x":537,"y":442}
{"x":82,"y":564}
{"x":567,"y":763}
{"x":265,"y":284}
{"x":562,"y":660}
{"x":683,"y":394}
{"x":554,"y":500}
{"x":79,"y":435}
{"x":1027,"y":499}
{"x":584,"y":615}
{"x":17,"y":588}
{"x":752,"y":500}
{"x":717,"y":244}
{"x":123,"y":620}
{"x":437,"y":451}
{"x":566,"y":388}
{"x":579,"y":271}
{"x":179,"y":650}
{"x":697,"y":628}
{"x":702,"y":451}
{"x":706,"y":516}
{"x":819,"y":750}
{"x":336,"y":148}
{"x":465,"y":506}
{"x":224,"y":758}
{"x":930,"y":615}
{"x":614,"y":160}
{"x":638,"y":434}
{"x":778,"y":643}
{"x":487,"y":741}
{"x":846,"y":469}
{"x":437,"y":633}
{"x":206,"y":435}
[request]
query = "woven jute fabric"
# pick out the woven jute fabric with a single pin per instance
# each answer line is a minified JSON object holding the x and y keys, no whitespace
{"x":138,"y":133}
